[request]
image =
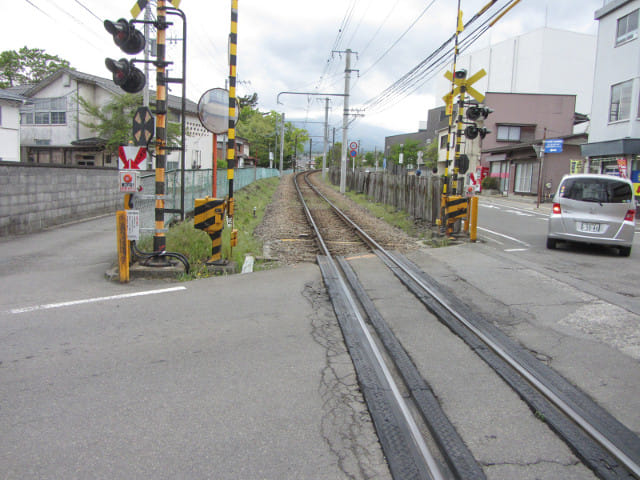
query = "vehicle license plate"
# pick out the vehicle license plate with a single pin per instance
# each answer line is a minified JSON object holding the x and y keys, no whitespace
{"x":589,"y":227}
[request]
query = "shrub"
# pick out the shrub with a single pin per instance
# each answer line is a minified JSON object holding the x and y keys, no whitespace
{"x":490,"y":183}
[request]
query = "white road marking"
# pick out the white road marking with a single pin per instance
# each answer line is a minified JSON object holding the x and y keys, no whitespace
{"x":505,"y":236}
{"x":515,"y":250}
{"x":93,"y":300}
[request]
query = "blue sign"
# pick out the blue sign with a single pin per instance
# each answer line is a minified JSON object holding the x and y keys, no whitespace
{"x":553,"y":145}
{"x":353,"y":153}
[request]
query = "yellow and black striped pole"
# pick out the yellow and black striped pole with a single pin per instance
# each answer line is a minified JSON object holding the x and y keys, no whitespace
{"x":159,"y":239}
{"x":445,"y":221}
{"x":231,"y":143}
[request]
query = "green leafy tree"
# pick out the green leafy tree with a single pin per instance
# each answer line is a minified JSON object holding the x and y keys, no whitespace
{"x":27,"y":66}
{"x":431,"y":154}
{"x":410,"y":152}
{"x":262,"y":130}
{"x":248,"y":101}
{"x":113,"y":121}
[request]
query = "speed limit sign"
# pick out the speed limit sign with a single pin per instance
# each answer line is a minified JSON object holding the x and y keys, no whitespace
{"x":353,"y":145}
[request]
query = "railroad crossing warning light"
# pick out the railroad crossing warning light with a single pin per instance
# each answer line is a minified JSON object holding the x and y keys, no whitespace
{"x":460,"y":74}
{"x":475,"y":112}
{"x":472,"y":131}
{"x":126,"y":75}
{"x":125,"y":36}
{"x":130,"y":41}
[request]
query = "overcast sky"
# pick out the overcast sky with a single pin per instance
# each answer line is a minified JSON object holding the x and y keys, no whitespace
{"x":289,"y":45}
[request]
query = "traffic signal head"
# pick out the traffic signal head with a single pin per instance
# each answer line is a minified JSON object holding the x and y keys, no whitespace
{"x":126,"y":75}
{"x":125,"y":36}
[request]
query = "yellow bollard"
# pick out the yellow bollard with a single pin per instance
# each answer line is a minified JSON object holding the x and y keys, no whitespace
{"x":123,"y":246}
{"x":473,"y":232}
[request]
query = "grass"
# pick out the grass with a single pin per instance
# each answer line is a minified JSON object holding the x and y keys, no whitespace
{"x":391,"y":215}
{"x":195,"y":244}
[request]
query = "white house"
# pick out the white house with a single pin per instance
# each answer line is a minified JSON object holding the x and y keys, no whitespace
{"x":52,"y":133}
{"x":614,"y":140}
{"x":10,"y":126}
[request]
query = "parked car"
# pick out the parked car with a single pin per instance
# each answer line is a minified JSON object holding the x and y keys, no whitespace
{"x":597,"y":209}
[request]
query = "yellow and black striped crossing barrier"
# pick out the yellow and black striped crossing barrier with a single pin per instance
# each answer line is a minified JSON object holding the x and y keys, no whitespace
{"x":454,"y":208}
{"x":209,"y":216}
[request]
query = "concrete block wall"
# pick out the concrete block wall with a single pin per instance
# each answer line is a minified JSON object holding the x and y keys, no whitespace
{"x":34,"y":197}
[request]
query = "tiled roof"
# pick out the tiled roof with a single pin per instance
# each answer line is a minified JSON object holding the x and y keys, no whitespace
{"x":11,"y":96}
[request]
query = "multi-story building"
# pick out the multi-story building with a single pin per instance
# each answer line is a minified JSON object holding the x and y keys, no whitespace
{"x":614,"y":140}
{"x":513,"y":151}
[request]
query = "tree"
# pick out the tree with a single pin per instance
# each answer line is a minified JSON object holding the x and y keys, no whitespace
{"x":248,"y":101}
{"x":113,"y":121}
{"x":409,"y":150}
{"x":27,"y":66}
{"x":431,"y":154}
{"x":263,"y":129}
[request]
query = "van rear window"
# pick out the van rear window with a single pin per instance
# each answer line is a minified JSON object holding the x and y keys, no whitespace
{"x":601,"y":190}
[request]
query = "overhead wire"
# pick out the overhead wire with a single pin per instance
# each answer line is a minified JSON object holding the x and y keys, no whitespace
{"x":430,"y":65}
{"x":375,"y":34}
{"x":384,"y":54}
{"x":336,"y":43}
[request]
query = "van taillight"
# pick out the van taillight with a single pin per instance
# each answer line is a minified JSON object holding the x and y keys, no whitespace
{"x":631,"y":214}
{"x":556,"y":208}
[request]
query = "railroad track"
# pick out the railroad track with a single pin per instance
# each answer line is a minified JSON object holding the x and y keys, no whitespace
{"x":418,"y":439}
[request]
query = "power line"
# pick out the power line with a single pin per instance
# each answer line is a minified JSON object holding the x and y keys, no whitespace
{"x":398,"y":39}
{"x":429,"y":66}
{"x":88,"y":10}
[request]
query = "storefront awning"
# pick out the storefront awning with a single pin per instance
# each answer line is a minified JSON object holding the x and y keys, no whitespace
{"x":621,"y":146}
{"x":498,"y":157}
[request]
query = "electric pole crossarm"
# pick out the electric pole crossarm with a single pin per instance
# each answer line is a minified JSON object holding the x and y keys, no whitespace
{"x":308,"y":93}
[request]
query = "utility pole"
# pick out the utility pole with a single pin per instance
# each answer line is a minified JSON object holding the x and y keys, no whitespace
{"x":326,"y":137}
{"x":345,"y":123}
{"x":147,"y":47}
{"x":282,"y":144}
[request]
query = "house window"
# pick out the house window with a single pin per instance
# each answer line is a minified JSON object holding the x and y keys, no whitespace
{"x":42,"y":118}
{"x":45,"y":111}
{"x":524,"y":174}
{"x":620,"y":101}
{"x":58,"y":118}
{"x":443,"y":142}
{"x":508,"y":133}
{"x":627,"y":28}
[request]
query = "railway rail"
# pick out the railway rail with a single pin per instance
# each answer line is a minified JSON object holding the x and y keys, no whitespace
{"x":418,"y":439}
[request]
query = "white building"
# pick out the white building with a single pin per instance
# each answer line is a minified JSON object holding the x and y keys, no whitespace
{"x":52,"y":129}
{"x":614,"y":140}
{"x":10,"y":126}
{"x":545,"y":60}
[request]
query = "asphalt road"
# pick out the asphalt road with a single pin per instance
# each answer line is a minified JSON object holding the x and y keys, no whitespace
{"x":518,"y":230}
{"x":247,"y":376}
{"x":244,"y":376}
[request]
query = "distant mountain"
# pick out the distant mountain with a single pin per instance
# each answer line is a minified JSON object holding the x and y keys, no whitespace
{"x":370,"y":137}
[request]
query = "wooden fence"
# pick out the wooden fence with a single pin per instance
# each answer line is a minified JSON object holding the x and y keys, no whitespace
{"x":418,"y":196}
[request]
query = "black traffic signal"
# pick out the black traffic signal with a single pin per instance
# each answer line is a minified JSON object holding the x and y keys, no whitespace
{"x":475,"y":112}
{"x":126,"y":75}
{"x":130,"y":41}
{"x":125,"y":36}
{"x":472,"y":131}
